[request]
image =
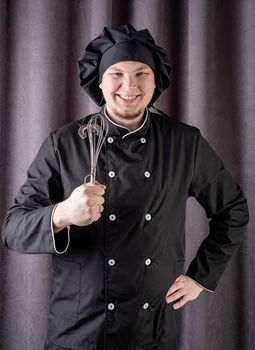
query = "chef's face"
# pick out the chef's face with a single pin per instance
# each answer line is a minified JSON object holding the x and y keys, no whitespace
{"x":127,"y":88}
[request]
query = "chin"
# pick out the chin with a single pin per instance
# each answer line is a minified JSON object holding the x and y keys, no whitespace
{"x":128,"y":113}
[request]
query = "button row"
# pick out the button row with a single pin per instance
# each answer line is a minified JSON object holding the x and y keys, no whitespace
{"x":113,"y":217}
{"x":112,"y":262}
{"x":112,"y":174}
{"x":110,"y":140}
{"x":111,"y":306}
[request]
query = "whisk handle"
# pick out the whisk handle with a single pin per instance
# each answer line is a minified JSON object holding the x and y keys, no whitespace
{"x":90,"y":178}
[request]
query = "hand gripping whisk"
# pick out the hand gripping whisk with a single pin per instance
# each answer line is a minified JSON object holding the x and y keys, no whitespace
{"x":96,"y":130}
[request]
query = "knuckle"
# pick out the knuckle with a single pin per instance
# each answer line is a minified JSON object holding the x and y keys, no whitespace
{"x":90,"y":221}
{"x":179,"y":295}
{"x":97,"y":217}
{"x":89,"y":213}
{"x":86,"y":191}
{"x":87,"y":202}
{"x":178,"y":284}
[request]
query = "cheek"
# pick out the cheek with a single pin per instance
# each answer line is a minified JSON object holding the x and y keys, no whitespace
{"x":149,"y":89}
{"x":110,"y":87}
{"x":148,"y":85}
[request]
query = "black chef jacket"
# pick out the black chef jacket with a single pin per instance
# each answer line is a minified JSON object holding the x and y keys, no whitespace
{"x":111,"y":277}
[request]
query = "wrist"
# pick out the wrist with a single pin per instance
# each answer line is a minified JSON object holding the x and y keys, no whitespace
{"x":60,"y":217}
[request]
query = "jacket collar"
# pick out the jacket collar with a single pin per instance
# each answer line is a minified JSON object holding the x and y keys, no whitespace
{"x":117,"y":130}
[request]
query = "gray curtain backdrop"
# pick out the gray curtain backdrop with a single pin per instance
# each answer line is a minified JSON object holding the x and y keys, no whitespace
{"x":211,"y":45}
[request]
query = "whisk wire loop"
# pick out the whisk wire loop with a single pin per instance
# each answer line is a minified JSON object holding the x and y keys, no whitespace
{"x":97,"y":130}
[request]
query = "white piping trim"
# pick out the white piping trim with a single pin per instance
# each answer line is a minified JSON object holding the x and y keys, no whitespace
{"x":111,"y":121}
{"x":123,"y":127}
{"x":200,"y":285}
{"x":53,"y":234}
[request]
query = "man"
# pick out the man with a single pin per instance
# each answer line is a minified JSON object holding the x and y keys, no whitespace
{"x":118,"y":245}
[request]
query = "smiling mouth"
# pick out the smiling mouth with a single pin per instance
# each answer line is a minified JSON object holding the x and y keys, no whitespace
{"x":127,"y":97}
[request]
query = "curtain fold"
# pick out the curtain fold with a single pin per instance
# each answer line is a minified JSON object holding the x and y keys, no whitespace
{"x":211,"y":48}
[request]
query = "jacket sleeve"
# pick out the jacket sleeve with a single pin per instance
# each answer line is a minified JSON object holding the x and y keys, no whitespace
{"x":225,"y":206}
{"x":27,"y":227}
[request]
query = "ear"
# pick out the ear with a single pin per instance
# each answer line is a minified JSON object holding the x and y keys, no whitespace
{"x":100,"y":86}
{"x":154,"y":82}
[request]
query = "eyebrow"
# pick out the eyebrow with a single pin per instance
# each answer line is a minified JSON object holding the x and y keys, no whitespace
{"x":122,"y":70}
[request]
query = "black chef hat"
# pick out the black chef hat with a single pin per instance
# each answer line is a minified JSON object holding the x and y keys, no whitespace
{"x":122,"y":44}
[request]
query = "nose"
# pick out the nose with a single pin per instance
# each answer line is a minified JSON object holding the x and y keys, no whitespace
{"x":129,"y":81}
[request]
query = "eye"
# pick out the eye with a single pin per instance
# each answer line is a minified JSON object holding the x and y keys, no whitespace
{"x":142,"y":74}
{"x":116,"y":74}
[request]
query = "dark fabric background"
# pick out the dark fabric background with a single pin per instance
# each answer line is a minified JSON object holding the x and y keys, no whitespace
{"x":211,"y":45}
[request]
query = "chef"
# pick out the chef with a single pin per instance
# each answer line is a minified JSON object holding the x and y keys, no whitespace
{"x":118,"y":246}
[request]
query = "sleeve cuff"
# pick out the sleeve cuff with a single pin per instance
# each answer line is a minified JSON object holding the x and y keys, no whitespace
{"x":208,"y":290}
{"x":53,"y":234}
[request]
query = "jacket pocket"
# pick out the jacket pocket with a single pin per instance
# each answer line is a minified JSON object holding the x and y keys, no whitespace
{"x":65,"y":297}
{"x":50,"y":346}
{"x":173,"y":317}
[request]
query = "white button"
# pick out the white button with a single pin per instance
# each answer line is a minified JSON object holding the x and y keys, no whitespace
{"x":147,"y":261}
{"x":111,"y":173}
{"x":145,"y":306}
{"x":110,"y":139}
{"x":111,"y":306}
{"x":147,"y":174}
{"x":111,"y":262}
{"x":148,"y":217}
{"x":143,"y":140}
{"x":112,"y":217}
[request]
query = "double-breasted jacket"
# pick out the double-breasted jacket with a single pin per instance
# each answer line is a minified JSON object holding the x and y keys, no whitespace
{"x":111,"y":277}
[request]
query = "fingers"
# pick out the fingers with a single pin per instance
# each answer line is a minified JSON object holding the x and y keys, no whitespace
{"x":98,"y":209}
{"x":183,"y":290}
{"x":101,"y":208}
{"x":181,"y":302}
{"x":85,"y":204}
{"x":93,"y":194}
{"x":97,"y":189}
{"x":94,"y":208}
{"x":101,"y":185}
{"x":178,"y":283}
{"x":95,"y":200}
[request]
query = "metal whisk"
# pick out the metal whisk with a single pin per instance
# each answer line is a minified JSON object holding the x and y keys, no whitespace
{"x":96,"y":130}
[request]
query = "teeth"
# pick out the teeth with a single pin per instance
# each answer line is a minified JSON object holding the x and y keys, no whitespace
{"x":127,"y":97}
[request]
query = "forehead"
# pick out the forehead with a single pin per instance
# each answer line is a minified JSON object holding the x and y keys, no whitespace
{"x":129,"y":66}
